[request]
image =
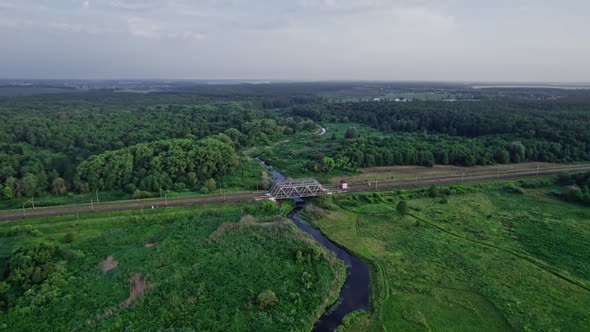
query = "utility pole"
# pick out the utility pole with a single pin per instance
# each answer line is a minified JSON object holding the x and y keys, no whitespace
{"x":91,"y":206}
{"x":33,"y":201}
{"x":97,"y":201}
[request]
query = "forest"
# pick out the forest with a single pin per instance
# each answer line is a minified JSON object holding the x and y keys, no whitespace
{"x":66,"y":142}
{"x":463,"y":133}
{"x":45,"y":145}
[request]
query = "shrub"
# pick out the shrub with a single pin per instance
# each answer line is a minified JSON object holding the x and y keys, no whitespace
{"x":69,"y":238}
{"x":512,"y":188}
{"x":210,"y":184}
{"x":402,"y":207}
{"x":139,"y":194}
{"x":325,"y":201}
{"x":266,"y":299}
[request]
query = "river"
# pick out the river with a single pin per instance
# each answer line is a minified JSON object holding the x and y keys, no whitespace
{"x":356,"y":291}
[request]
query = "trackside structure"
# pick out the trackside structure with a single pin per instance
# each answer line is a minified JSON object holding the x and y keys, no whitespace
{"x":287,"y":189}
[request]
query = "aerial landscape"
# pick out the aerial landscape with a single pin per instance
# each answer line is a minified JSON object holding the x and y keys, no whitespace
{"x":294,"y":166}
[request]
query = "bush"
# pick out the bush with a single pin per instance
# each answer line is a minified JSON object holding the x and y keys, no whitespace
{"x":512,"y":188}
{"x":325,"y":201}
{"x":210,"y":184}
{"x":266,"y":299}
{"x":204,"y":190}
{"x":139,"y":194}
{"x":69,"y":238}
{"x":402,"y":207}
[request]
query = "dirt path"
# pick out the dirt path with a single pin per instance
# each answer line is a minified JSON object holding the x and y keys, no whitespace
{"x":251,"y":196}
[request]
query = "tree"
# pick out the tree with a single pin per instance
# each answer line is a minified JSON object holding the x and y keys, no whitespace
{"x":352,"y":132}
{"x":210,"y":184}
{"x":7,"y":193}
{"x":29,"y":182}
{"x":58,"y":186}
{"x":328,"y":164}
{"x":266,"y":299}
{"x":517,"y":152}
{"x":265,"y":180}
{"x":433,"y":191}
{"x":402,"y":208}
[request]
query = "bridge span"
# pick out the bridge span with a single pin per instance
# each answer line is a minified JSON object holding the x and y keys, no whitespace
{"x":295,"y":188}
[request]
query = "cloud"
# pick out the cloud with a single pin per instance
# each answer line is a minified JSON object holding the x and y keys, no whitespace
{"x":15,"y":23}
{"x":134,"y":5}
{"x":86,"y":4}
{"x":144,"y":28}
{"x":77,"y":28}
{"x":140,"y":27}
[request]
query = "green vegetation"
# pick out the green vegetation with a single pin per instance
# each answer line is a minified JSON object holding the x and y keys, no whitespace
{"x":465,"y":133}
{"x":180,"y":164}
{"x":183,"y":268}
{"x":489,"y":259}
{"x":48,"y":144}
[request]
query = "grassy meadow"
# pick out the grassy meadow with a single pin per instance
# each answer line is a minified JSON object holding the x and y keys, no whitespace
{"x":193,"y":269}
{"x":489,"y":260}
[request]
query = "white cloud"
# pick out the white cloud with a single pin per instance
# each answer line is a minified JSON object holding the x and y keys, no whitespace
{"x":140,"y":27}
{"x":144,"y":28}
{"x":134,"y":5}
{"x":78,"y":28}
{"x":86,"y":4}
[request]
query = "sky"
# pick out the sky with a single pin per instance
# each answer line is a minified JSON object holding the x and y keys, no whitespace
{"x":432,"y":40}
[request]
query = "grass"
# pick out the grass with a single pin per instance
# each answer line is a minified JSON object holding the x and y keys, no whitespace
{"x":486,"y":261}
{"x":193,"y":281}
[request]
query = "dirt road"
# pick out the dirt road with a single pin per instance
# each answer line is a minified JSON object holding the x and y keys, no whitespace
{"x":251,"y":196}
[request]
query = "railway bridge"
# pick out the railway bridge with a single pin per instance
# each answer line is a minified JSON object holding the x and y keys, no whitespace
{"x":295,"y":188}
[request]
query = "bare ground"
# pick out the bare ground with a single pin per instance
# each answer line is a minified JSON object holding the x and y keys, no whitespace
{"x":108,"y":264}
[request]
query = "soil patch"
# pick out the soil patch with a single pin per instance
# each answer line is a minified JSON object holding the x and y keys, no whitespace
{"x":108,"y":264}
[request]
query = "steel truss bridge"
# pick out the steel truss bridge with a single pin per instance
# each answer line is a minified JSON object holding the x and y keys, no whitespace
{"x":286,"y":189}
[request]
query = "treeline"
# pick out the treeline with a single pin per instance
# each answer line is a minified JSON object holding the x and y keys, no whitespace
{"x":44,"y":140}
{"x":158,"y":165}
{"x":557,"y":130}
{"x":428,"y":150}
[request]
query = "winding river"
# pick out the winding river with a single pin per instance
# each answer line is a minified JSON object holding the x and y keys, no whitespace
{"x":356,"y":292}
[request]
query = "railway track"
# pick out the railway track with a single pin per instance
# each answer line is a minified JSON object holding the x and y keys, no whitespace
{"x":251,"y":196}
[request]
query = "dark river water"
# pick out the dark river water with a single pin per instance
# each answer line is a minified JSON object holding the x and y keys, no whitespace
{"x":356,"y":292}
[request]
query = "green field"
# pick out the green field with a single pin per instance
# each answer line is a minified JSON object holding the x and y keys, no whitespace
{"x":201,"y":269}
{"x":485,"y":261}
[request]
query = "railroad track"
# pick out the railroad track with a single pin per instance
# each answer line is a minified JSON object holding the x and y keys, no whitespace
{"x":251,"y":196}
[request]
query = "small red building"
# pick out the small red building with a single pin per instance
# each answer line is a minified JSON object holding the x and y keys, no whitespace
{"x":343,"y":185}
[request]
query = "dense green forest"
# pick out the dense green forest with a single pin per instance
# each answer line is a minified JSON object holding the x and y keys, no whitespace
{"x":465,"y":133}
{"x":158,"y":165}
{"x":67,"y":142}
{"x":43,"y":142}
